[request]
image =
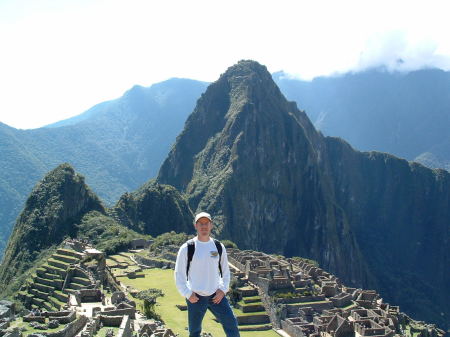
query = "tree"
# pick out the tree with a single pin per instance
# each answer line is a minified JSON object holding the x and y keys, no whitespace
{"x":149,"y":297}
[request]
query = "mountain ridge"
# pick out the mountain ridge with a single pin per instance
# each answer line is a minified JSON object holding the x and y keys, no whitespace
{"x":117,"y":151}
{"x":404,"y":113}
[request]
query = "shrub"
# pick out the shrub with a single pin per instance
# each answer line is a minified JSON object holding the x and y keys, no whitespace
{"x":149,"y":297}
{"x":229,"y":244}
{"x":167,"y":239}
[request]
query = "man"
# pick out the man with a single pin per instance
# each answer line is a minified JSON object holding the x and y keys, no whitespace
{"x":204,"y":281}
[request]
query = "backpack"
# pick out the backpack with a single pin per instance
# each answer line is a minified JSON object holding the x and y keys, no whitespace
{"x":191,"y":251}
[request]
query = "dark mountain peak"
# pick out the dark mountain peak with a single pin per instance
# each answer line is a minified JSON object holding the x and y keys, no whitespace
{"x":241,"y":111}
{"x":251,"y":80}
{"x":61,"y":185}
{"x":53,"y":208}
{"x":247,"y":69}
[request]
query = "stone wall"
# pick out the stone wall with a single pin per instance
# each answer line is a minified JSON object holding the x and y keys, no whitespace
{"x":341,"y":300}
{"x":291,"y":329}
{"x":29,"y":318}
{"x":120,"y":312}
{"x":301,"y":299}
{"x":112,"y":281}
{"x":111,"y":320}
{"x":90,"y":295}
{"x":319,"y":307}
{"x":125,"y":327}
{"x":140,"y":243}
{"x":153,"y":262}
{"x":63,"y":317}
{"x":253,"y":319}
{"x":71,"y":329}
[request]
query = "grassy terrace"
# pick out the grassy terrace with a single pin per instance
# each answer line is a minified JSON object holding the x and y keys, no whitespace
{"x":174,"y":318}
{"x":350,"y":306}
{"x":122,"y":258}
{"x":21,"y":324}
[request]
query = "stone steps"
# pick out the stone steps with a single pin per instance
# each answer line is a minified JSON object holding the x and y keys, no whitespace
{"x":255,"y":327}
{"x":68,"y":252}
{"x":55,"y":302}
{"x":70,"y":291}
{"x":37,"y":301}
{"x":253,"y":319}
{"x":47,"y":274}
{"x":75,"y":286}
{"x":55,"y":283}
{"x":61,"y":296}
{"x":56,"y":270}
{"x":48,"y":306}
{"x":248,"y":291}
{"x":42,"y":287}
{"x":252,"y":308}
{"x":38,"y":294}
{"x":81,"y":280}
{"x":254,"y":299}
{"x":65,"y":258}
{"x":58,"y":264}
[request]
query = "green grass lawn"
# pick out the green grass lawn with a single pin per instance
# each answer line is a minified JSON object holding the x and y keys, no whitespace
{"x":120,"y":258}
{"x":175,"y":319}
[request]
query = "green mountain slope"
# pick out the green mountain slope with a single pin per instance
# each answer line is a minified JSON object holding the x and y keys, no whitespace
{"x":54,"y":205}
{"x":154,"y":209}
{"x":62,"y":206}
{"x":276,"y":184}
{"x":116,"y":145}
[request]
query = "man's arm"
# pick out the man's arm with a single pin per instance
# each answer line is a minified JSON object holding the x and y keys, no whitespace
{"x":180,"y":273}
{"x":224,"y":283}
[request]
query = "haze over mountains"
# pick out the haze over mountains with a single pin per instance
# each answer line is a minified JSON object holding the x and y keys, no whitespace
{"x":117,"y":145}
{"x":406,"y":114}
{"x":255,"y":160}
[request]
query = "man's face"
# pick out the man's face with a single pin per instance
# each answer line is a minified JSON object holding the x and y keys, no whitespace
{"x":203,"y":226}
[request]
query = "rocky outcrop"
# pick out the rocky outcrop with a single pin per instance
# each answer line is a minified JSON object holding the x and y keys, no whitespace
{"x":274,"y":183}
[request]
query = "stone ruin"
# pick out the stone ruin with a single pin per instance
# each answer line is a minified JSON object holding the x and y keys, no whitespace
{"x":316,"y":303}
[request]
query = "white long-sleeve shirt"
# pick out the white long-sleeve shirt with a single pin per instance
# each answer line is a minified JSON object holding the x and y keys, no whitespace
{"x":204,"y":276}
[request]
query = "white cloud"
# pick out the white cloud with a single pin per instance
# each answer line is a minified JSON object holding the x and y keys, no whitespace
{"x":58,"y":61}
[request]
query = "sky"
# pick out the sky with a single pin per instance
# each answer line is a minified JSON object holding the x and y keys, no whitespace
{"x":58,"y":58}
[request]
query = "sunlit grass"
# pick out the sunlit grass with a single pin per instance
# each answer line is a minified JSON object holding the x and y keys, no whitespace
{"x":174,"y":318}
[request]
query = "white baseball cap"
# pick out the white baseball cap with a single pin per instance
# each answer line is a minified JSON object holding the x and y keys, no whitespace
{"x":202,"y":215}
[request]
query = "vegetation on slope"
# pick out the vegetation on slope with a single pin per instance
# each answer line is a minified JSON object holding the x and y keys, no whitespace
{"x":55,"y":204}
{"x":155,"y":209}
{"x":105,"y":233}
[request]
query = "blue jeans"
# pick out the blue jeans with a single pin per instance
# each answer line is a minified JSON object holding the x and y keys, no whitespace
{"x":222,"y":311}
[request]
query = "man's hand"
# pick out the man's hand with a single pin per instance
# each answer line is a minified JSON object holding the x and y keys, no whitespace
{"x":193,"y":298}
{"x":219,"y":295}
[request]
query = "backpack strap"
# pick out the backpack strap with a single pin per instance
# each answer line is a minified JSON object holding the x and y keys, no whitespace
{"x":191,"y":251}
{"x":190,"y":254}
{"x":219,"y":249}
